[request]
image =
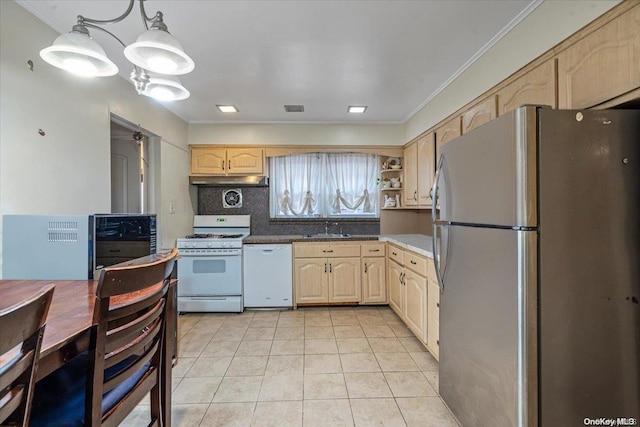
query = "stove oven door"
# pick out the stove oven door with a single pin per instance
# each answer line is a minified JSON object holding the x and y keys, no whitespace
{"x":209,"y":275}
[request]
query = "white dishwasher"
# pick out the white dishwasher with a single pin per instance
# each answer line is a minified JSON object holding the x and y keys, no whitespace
{"x":268,"y":275}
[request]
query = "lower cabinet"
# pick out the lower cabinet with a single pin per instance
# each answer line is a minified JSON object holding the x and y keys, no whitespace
{"x":414,"y":294}
{"x":396,"y":288}
{"x":374,"y":277}
{"x":415,"y":310}
{"x":433,"y":322}
{"x":325,"y":280}
{"x":312,"y":282}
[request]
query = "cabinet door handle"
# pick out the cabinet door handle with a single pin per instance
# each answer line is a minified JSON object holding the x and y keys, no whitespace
{"x":365,"y":267}
{"x":413,"y":262}
{"x":223,"y":165}
{"x":415,"y":195}
{"x":325,"y":267}
{"x":327,"y":251}
{"x":229,"y":165}
{"x":438,"y":342}
{"x":329,"y":267}
{"x":438,"y":304}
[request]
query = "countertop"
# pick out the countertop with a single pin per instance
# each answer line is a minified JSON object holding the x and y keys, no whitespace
{"x":419,"y":243}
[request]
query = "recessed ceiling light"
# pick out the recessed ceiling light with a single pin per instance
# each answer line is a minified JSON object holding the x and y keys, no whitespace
{"x":227,"y":108}
{"x":357,"y":109}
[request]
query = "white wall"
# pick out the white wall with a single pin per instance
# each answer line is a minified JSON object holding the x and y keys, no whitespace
{"x":67,"y":171}
{"x":549,"y":24}
{"x":296,"y":134}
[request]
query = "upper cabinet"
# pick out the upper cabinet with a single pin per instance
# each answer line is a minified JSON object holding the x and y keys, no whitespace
{"x":410,"y":195}
{"x":479,"y":114}
{"x":603,"y":65}
{"x":418,"y":171}
{"x":537,"y":86}
{"x":216,"y":160}
{"x":445,"y":133}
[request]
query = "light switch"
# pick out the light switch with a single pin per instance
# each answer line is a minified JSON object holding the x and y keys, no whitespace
{"x":172,"y":207}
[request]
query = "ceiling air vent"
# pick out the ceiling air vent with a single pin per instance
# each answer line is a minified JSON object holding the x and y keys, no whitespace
{"x":294,"y":108}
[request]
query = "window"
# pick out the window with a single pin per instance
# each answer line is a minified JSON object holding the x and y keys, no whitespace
{"x":321,"y":185}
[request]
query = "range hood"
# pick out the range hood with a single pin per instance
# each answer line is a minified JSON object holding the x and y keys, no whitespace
{"x":218,"y":181}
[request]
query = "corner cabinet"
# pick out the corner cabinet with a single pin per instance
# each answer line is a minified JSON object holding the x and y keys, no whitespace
{"x":414,"y":294}
{"x":216,"y":160}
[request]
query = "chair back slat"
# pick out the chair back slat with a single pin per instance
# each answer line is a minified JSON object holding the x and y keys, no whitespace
{"x":136,"y":348}
{"x":125,"y":334}
{"x":124,"y":374}
{"x":20,"y":341}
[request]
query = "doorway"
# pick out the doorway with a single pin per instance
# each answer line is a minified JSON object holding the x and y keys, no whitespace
{"x":131,"y":167}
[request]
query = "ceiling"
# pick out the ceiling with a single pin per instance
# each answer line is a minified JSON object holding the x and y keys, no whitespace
{"x":392,"y":56}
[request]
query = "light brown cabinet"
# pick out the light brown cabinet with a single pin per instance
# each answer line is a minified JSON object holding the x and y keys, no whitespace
{"x":480,"y":114}
{"x":374,"y":274}
{"x":433,"y":309}
{"x":214,"y":160}
{"x":447,"y":132}
{"x":537,"y":86}
{"x":327,"y":273}
{"x":415,"y":311}
{"x":408,"y":289}
{"x":396,"y":289}
{"x":602,"y":65}
{"x":410,"y":192}
{"x":418,"y":172}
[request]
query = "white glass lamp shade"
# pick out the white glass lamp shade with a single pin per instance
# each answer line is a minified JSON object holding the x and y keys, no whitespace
{"x":158,"y":51}
{"x":79,"y":54}
{"x":165,"y":88}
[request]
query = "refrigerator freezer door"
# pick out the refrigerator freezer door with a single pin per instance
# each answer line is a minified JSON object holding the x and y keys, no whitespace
{"x":589,"y":265}
{"x":487,"y":327}
{"x":488,"y":176}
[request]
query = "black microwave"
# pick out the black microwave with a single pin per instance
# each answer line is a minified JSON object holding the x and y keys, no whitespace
{"x":118,"y":238}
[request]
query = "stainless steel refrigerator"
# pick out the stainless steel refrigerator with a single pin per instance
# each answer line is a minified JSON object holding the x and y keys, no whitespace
{"x":537,"y":251}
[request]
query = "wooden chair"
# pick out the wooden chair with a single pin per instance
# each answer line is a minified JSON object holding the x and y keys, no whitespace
{"x":125,"y":359}
{"x":21,"y":330}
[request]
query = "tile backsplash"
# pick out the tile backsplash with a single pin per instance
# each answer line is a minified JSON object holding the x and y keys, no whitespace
{"x":255,"y":202}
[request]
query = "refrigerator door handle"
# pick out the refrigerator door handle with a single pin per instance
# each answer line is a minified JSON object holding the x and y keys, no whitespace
{"x":436,"y":257}
{"x":434,"y":191}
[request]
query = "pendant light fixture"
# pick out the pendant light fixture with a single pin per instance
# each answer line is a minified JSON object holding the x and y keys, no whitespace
{"x":154,"y":51}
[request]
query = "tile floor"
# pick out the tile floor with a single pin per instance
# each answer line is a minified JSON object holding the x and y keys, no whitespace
{"x":311,"y":367}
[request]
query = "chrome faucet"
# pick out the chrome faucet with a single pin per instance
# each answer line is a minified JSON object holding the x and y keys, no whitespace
{"x":328,"y":225}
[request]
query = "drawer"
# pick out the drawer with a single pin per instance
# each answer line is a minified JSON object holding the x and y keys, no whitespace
{"x":415,"y":263}
{"x":373,"y":249}
{"x":395,"y":253}
{"x":324,"y":250}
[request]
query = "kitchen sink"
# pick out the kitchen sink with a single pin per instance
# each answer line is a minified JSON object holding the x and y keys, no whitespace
{"x":326,"y":236}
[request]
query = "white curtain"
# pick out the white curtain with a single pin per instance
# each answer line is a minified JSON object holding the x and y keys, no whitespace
{"x":352,"y":183}
{"x":296,"y":185}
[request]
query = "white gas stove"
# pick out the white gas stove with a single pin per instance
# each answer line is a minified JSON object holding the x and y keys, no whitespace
{"x":210,"y":264}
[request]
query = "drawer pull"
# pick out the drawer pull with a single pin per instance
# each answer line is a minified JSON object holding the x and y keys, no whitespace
{"x":375,"y":250}
{"x":413,"y":262}
{"x":394,"y":253}
{"x":114,"y":250}
{"x":327,"y":251}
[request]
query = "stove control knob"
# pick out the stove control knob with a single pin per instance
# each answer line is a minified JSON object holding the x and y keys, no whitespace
{"x":209,"y":245}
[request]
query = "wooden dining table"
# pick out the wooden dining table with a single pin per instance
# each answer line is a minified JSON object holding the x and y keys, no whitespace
{"x":70,"y":321}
